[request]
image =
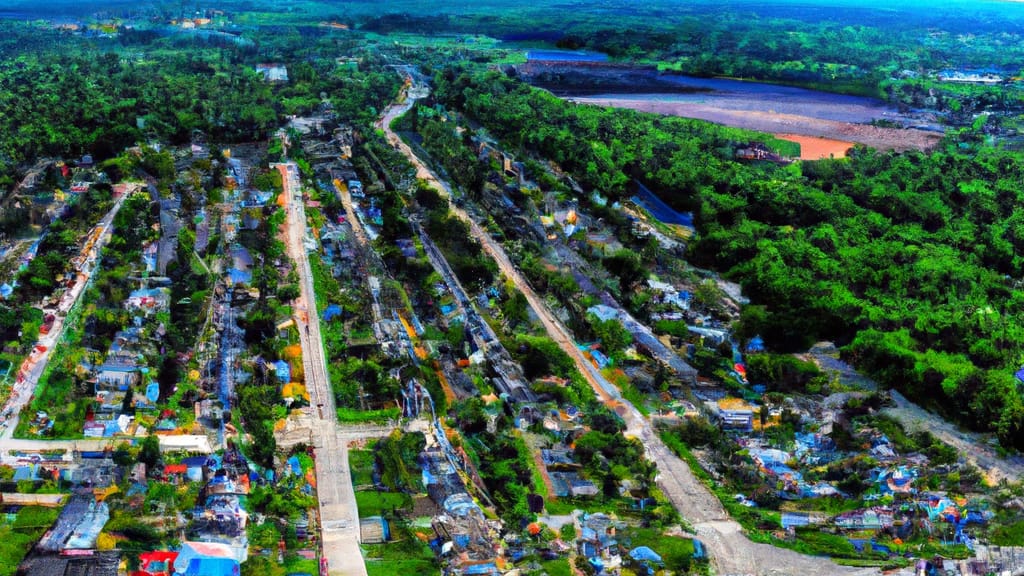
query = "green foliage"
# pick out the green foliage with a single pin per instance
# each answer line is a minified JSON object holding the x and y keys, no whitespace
{"x":781,"y":373}
{"x":461,"y":249}
{"x":613,"y":335}
{"x":626,"y":266}
{"x":17,"y":540}
{"x":149,"y":453}
{"x":1008,"y":535}
{"x":265,"y":536}
{"x":280,"y":502}
{"x":262,"y":566}
{"x":397,"y":456}
{"x":907,"y":258}
{"x":406,"y":555}
{"x":505,"y":465}
{"x":540,"y":356}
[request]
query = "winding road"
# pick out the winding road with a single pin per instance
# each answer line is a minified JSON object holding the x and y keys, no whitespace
{"x":730,"y":549}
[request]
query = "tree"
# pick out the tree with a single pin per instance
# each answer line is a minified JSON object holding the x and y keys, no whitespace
{"x":612,"y":334}
{"x":626,"y":266}
{"x":149,"y":453}
{"x":514,"y":308}
{"x":265,"y":536}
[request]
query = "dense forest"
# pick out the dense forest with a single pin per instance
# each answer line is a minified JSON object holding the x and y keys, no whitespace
{"x":99,"y":99}
{"x":908,"y":261}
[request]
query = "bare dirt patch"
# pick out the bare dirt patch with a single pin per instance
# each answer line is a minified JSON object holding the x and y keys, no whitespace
{"x":814,"y":148}
{"x":774,"y":122}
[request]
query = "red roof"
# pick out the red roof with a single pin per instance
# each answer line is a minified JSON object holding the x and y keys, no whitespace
{"x":175,"y":469}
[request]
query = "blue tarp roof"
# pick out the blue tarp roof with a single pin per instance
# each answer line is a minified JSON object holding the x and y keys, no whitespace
{"x":212,"y":567}
{"x":239,"y":276}
{"x":284,"y":372}
{"x":645,"y":554}
{"x":756,"y":344}
{"x":25,"y":473}
{"x":331,"y":311}
{"x":488,"y":568}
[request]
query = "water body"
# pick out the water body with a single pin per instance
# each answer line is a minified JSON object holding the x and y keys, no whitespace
{"x":565,"y":56}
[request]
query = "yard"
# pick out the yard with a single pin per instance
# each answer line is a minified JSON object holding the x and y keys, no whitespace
{"x":406,"y":555}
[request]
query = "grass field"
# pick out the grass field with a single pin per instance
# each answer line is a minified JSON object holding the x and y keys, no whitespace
{"x":360,"y":462}
{"x":675,"y":551}
{"x":373,"y":503}
{"x":406,"y":556}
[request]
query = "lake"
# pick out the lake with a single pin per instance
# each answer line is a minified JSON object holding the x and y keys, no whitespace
{"x":565,"y":56}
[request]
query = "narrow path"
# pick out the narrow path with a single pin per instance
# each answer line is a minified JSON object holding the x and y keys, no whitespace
{"x":32,"y":369}
{"x":731,"y":551}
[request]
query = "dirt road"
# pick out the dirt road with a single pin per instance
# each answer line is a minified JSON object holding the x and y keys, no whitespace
{"x":730,"y":550}
{"x":32,"y":369}
{"x":971,"y":446}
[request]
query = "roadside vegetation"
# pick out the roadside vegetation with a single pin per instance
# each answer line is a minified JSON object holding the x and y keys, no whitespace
{"x":906,"y":260}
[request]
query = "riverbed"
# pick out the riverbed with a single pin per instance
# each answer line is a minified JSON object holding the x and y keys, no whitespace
{"x":826,"y":123}
{"x":748,"y":113}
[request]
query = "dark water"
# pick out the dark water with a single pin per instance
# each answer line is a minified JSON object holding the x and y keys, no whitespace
{"x":565,"y":56}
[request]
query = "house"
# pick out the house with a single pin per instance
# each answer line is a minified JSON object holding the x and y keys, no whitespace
{"x":603,"y":313}
{"x":206,"y":559}
{"x":374,"y":530}
{"x":273,"y":72}
{"x":897,"y":480}
{"x":867,"y":519}
{"x":156,"y":563}
{"x":148,"y":299}
{"x":742,"y":420}
{"x":581,"y":487}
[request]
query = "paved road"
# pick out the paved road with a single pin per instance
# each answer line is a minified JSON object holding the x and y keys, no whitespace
{"x":339,"y":516}
{"x":25,"y":382}
{"x":731,"y":551}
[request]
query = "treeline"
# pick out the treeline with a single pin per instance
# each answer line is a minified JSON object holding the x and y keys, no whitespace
{"x":907,"y":260}
{"x":79,"y":100}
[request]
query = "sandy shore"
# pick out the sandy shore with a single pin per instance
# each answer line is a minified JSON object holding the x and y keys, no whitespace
{"x":778,"y":123}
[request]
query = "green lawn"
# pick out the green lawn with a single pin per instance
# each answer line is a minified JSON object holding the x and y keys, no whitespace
{"x":558,"y":567}
{"x":18,"y":538}
{"x":406,"y":556}
{"x":360,"y":462}
{"x":675,"y":551}
{"x":373,"y":503}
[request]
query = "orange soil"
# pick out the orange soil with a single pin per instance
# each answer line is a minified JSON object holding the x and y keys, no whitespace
{"x":874,"y":136}
{"x":814,"y":148}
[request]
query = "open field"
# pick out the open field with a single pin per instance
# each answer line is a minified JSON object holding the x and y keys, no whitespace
{"x":775,"y":122}
{"x":815,"y":148}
